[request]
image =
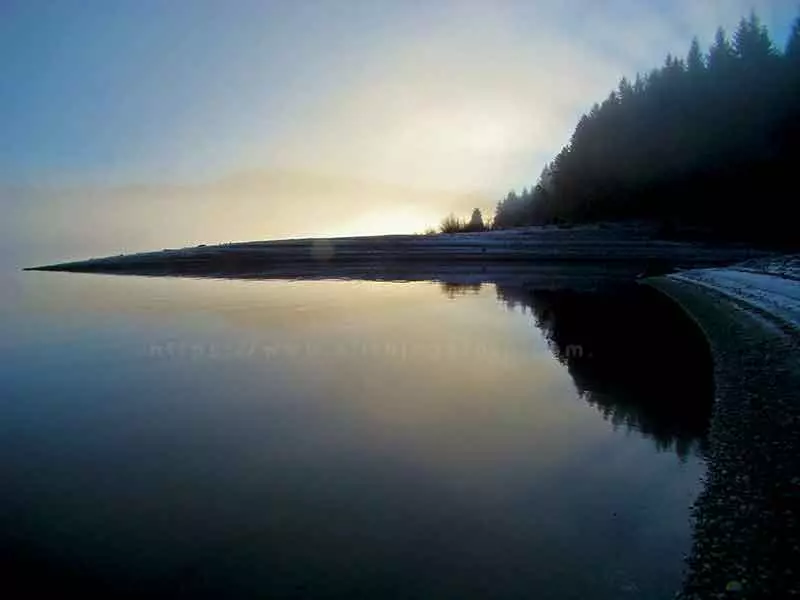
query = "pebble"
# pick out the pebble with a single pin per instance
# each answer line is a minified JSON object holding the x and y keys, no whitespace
{"x":734,"y":586}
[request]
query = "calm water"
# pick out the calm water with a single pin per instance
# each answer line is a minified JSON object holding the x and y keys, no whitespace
{"x":346,"y":439}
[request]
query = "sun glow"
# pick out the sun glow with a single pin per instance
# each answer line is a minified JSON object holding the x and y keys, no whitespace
{"x":400,"y":220}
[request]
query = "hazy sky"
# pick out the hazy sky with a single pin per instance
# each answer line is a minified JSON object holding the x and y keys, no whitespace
{"x":150,"y":122}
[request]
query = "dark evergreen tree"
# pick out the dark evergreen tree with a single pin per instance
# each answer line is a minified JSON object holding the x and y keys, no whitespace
{"x":721,"y":55}
{"x":625,"y":91}
{"x":793,"y":45}
{"x":751,"y":42}
{"x":476,"y":221}
{"x":706,"y":141}
{"x":695,"y":63}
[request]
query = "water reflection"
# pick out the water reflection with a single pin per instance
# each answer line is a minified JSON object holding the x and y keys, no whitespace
{"x":391,"y":443}
{"x":454,"y":290}
{"x":633,"y":355}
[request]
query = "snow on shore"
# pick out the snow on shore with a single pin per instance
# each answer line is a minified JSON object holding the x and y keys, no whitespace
{"x":783,"y":266}
{"x":772,"y":286}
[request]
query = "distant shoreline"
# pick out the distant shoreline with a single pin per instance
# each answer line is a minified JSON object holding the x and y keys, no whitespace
{"x":422,"y":256}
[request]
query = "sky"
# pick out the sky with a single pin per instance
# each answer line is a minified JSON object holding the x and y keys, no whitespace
{"x":131,"y":125}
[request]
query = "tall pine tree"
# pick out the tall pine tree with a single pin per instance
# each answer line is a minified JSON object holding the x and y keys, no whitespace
{"x":695,"y":63}
{"x":751,"y":42}
{"x":721,"y":55}
{"x":793,"y":45}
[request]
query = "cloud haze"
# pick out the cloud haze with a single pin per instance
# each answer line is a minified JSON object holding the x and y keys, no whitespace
{"x":428,"y":106}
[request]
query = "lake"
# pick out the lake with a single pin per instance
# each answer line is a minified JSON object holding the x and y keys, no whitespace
{"x":347,"y":439}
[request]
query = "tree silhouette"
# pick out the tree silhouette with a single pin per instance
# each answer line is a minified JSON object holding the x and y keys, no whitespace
{"x":451,"y":224}
{"x":706,"y":142}
{"x":721,"y":55}
{"x":632,"y":367}
{"x":476,"y":221}
{"x":793,"y":45}
{"x":751,"y":42}
{"x":695,"y":63}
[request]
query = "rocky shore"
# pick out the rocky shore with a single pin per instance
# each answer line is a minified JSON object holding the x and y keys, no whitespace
{"x":746,"y":540}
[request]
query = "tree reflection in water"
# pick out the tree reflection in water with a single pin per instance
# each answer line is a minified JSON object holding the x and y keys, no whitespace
{"x":633,"y":354}
{"x":454,"y":290}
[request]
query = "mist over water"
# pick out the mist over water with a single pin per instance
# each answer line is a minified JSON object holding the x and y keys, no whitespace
{"x":342,"y":438}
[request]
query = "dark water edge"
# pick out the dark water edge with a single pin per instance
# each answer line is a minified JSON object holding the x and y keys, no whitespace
{"x":632,"y":355}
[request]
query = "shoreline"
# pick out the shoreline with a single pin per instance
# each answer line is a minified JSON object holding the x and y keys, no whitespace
{"x":746,"y":528}
{"x":403,"y":255}
{"x":746,"y":539}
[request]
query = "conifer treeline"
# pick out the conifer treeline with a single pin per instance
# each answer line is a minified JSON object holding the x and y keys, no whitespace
{"x":709,"y":140}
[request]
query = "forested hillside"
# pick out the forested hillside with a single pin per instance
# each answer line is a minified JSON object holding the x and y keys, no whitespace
{"x":708,"y":140}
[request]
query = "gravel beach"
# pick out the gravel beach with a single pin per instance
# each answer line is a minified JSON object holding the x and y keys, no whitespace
{"x":746,"y":539}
